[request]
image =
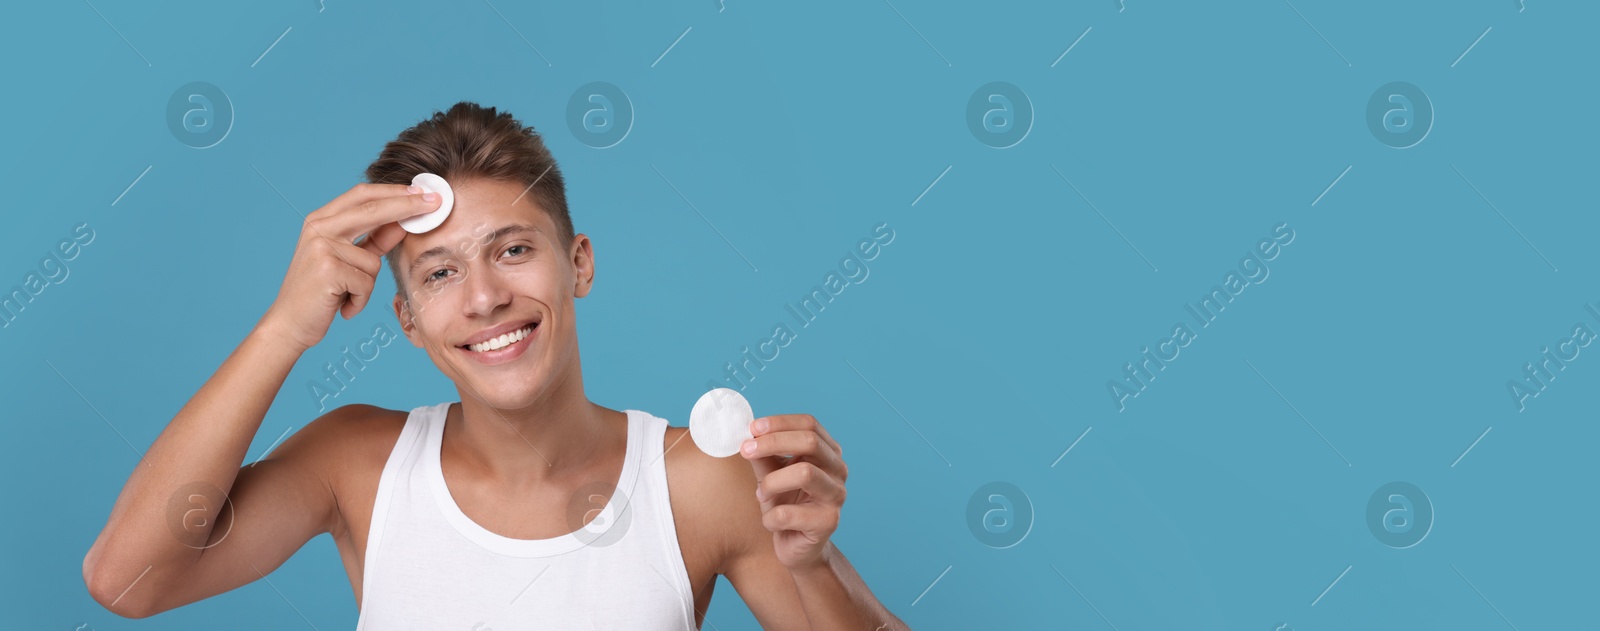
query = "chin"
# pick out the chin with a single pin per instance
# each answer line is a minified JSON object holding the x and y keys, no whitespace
{"x":505,"y":390}
{"x":506,"y":400}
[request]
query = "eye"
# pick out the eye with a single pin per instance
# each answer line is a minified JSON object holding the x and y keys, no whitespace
{"x":437,"y":275}
{"x":518,"y":250}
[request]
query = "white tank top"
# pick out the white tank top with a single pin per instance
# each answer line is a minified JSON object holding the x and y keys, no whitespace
{"x":429,"y":566}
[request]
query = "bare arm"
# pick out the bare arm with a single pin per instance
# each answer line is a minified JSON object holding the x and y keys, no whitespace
{"x":835,"y":597}
{"x":166,"y":516}
{"x":828,"y":596}
{"x":190,"y":521}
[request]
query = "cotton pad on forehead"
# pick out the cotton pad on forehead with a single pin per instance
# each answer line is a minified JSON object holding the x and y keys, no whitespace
{"x":720,"y":422}
{"x":424,"y":222}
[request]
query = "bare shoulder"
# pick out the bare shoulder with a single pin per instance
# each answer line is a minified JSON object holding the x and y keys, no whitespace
{"x":347,"y":448}
{"x":347,"y":435}
{"x":708,"y":482}
{"x":713,"y":499}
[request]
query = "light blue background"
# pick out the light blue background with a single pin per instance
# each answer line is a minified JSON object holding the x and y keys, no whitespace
{"x":990,"y":325}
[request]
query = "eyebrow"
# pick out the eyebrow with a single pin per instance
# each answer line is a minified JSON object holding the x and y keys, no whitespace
{"x":440,"y":250}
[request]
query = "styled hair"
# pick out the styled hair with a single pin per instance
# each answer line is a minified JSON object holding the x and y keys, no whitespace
{"x":471,"y":141}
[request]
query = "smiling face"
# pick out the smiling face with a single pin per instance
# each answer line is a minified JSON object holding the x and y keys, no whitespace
{"x":489,"y":294}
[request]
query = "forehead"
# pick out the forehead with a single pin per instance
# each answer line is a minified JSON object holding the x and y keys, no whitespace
{"x":481,"y":207}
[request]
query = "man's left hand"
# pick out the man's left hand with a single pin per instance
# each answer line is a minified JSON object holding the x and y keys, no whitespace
{"x":800,"y":474}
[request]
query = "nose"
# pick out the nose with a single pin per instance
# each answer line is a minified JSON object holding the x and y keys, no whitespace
{"x":486,"y":291}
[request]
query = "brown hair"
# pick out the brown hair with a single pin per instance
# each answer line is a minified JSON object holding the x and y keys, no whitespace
{"x":472,"y":141}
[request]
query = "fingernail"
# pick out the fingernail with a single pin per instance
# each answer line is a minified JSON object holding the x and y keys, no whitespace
{"x":760,"y":497}
{"x":749,"y":447}
{"x":413,"y":190}
{"x":430,"y":197}
{"x":760,"y":426}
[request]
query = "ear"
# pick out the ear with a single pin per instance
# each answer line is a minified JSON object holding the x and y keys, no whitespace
{"x":582,"y":265}
{"x":408,"y":321}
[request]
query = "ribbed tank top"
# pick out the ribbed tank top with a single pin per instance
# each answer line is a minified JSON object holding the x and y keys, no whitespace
{"x":429,"y":566}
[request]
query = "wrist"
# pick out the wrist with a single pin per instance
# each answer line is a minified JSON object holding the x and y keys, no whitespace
{"x":818,"y":569}
{"x":274,"y":334}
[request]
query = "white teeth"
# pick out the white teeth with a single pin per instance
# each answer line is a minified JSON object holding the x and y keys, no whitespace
{"x":502,"y":341}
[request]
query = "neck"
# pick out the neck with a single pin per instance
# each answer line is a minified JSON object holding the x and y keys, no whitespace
{"x":557,"y":435}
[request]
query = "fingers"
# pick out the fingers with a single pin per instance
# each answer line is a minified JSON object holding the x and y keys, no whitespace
{"x":383,"y":239}
{"x":793,"y":422}
{"x":366,"y":208}
{"x":809,"y":445}
{"x":801,"y":476}
{"x":353,"y":255}
{"x":765,"y":466}
{"x":365,"y":192}
{"x":817,"y":521}
{"x":359,"y":292}
{"x":354,"y":269}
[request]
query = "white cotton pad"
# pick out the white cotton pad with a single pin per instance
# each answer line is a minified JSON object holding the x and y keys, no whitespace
{"x":720,"y":422}
{"x":424,"y":222}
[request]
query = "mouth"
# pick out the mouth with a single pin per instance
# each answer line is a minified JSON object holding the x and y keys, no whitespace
{"x":503,"y":347}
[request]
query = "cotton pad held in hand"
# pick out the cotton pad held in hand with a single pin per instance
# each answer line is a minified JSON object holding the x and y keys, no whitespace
{"x":424,"y":222}
{"x":720,"y":422}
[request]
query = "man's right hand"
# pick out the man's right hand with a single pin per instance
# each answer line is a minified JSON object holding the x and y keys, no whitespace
{"x":138,"y":565}
{"x":330,"y":272}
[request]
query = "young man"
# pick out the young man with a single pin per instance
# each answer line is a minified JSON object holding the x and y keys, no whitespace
{"x":522,"y":506}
